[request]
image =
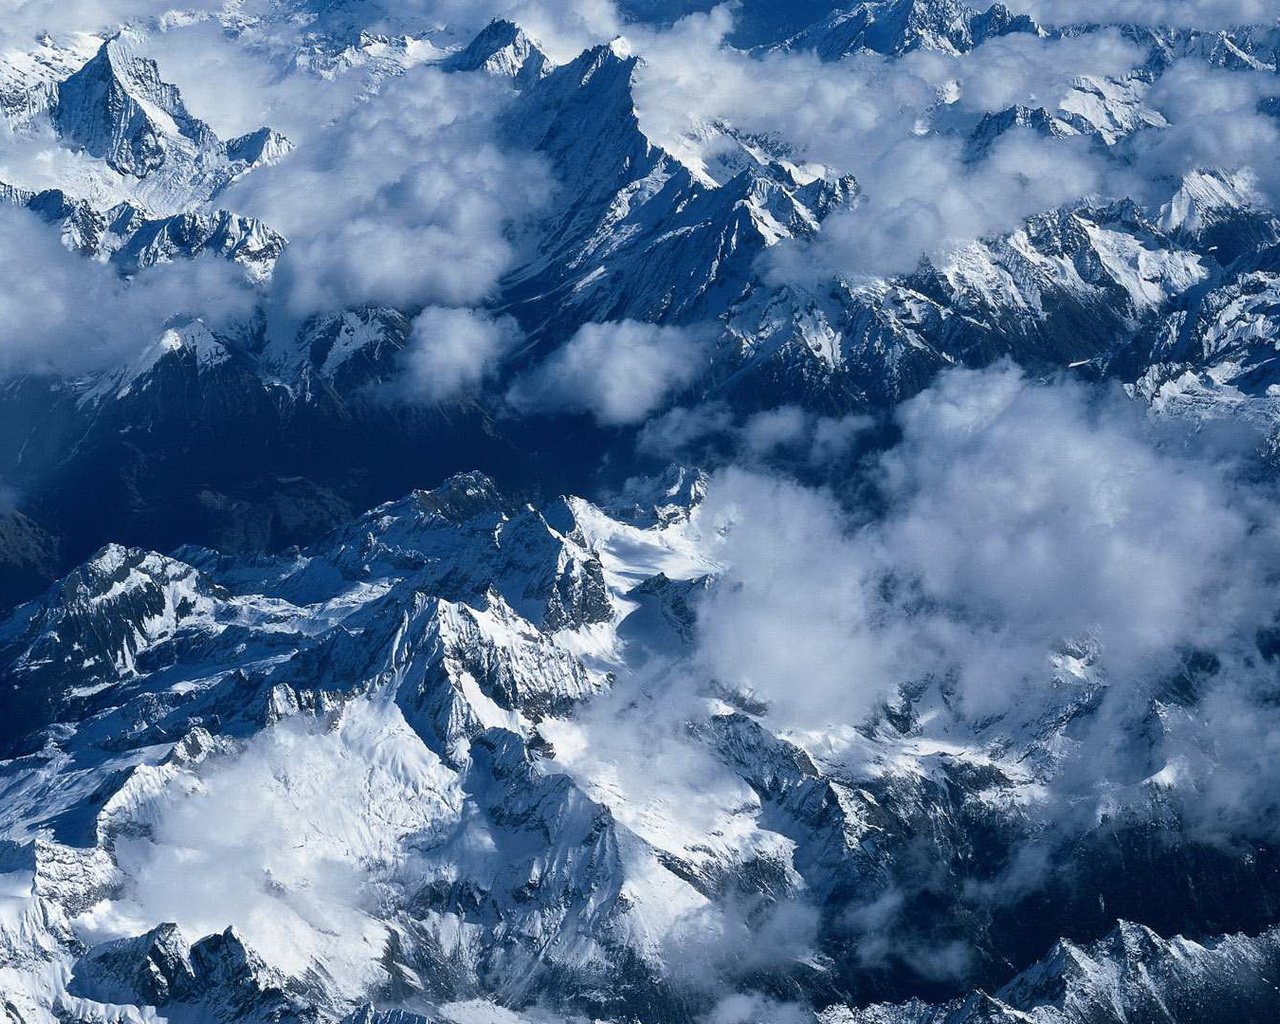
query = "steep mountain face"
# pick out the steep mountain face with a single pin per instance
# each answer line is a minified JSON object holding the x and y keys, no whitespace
{"x":640,"y":235}
{"x":117,"y":108}
{"x":503,"y":48}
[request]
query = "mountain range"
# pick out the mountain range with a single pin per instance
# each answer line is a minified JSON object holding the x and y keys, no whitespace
{"x":330,"y":695}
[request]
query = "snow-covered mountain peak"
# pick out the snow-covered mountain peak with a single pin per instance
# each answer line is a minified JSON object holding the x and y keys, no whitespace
{"x":259,"y":148}
{"x":1204,"y":197}
{"x":29,"y":76}
{"x":459,"y":499}
{"x":502,"y":48}
{"x":118,"y":108}
{"x":191,"y":343}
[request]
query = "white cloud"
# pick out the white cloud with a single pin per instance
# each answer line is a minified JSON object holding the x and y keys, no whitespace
{"x":844,"y":112}
{"x":62,"y":313}
{"x":781,"y":428}
{"x":1215,"y":123}
{"x":410,"y":201}
{"x":752,"y":1008}
{"x":1012,"y":518}
{"x":237,"y":84}
{"x":453,"y":352}
{"x":1036,"y":514}
{"x":1018,"y":516}
{"x":686,"y":431}
{"x":900,"y":125}
{"x":618,"y":372}
{"x":792,"y":619}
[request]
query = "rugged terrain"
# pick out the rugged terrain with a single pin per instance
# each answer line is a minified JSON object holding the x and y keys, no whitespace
{"x":343,"y":680}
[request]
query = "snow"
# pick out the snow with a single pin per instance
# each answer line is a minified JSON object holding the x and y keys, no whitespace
{"x":453,"y":735}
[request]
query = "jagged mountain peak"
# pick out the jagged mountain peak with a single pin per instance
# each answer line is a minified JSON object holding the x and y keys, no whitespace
{"x":118,"y":108}
{"x":1205,"y":196}
{"x":608,"y":66}
{"x":260,"y":147}
{"x":125,"y":236}
{"x":502,"y":48}
{"x":460,"y":498}
{"x":189,"y":341}
{"x":1038,"y":119}
{"x":115,"y":568}
{"x":583,"y":116}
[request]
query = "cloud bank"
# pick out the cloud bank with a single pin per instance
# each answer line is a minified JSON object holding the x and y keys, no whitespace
{"x":1196,"y":14}
{"x":64,"y":314}
{"x":409,"y":201}
{"x":618,"y":372}
{"x":453,"y":352}
{"x":1016,"y":517}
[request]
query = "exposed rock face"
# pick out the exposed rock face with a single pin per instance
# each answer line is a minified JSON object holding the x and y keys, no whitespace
{"x":117,"y":108}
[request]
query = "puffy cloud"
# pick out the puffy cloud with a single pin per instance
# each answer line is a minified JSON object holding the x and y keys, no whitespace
{"x":452,"y":352}
{"x":687,"y":431}
{"x":618,"y":372}
{"x":922,"y":201}
{"x":1214,"y":122}
{"x":793,"y":617}
{"x":34,"y":158}
{"x":922,"y":197}
{"x":238,"y":83}
{"x":781,"y":428}
{"x":1017,"y":517}
{"x":62,"y":313}
{"x":752,"y":1008}
{"x":710,"y":435}
{"x":409,"y":201}
{"x":1034,"y":514}
{"x":1012,"y":522}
